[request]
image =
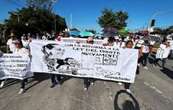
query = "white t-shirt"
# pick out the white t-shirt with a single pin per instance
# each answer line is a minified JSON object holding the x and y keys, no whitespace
{"x":105,"y":41}
{"x":25,"y":43}
{"x":117,"y":45}
{"x":122,"y":44}
{"x":145,"y":49}
{"x":44,"y":37}
{"x":162,"y":46}
{"x":166,"y":52}
{"x":11,"y":45}
{"x":22,"y":52}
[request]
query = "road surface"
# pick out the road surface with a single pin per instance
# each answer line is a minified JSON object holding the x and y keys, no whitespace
{"x":153,"y":90}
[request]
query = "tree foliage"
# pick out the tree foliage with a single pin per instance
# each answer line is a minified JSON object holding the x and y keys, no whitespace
{"x":113,"y":19}
{"x":34,"y":21}
{"x":112,"y":22}
{"x":44,"y":4}
{"x":107,"y":19}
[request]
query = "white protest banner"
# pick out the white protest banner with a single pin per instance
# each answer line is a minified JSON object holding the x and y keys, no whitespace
{"x":84,"y":60}
{"x":14,"y":66}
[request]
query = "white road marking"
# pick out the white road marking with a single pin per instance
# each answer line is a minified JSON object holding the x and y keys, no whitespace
{"x":153,"y":87}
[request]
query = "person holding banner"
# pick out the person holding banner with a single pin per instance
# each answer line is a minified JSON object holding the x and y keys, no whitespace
{"x":55,"y":78}
{"x":10,"y":49}
{"x":10,"y":43}
{"x":129,"y":45}
{"x":20,"y":50}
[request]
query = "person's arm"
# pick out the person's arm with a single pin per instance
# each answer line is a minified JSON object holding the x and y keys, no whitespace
{"x":1,"y":53}
{"x":8,"y":48}
{"x":140,"y":53}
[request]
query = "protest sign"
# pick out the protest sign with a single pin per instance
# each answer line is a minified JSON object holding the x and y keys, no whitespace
{"x":84,"y":60}
{"x":14,"y":66}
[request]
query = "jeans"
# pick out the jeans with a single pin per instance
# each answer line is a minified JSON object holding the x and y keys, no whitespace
{"x":55,"y":78}
{"x":162,"y":60}
{"x":144,"y":58}
{"x":127,"y":85}
{"x":86,"y":82}
{"x":23,"y":83}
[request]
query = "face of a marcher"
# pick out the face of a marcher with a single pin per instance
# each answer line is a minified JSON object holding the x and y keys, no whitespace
{"x":129,"y":45}
{"x":90,"y":40}
{"x":17,"y":45}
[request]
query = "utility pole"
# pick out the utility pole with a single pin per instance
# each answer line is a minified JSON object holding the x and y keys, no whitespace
{"x":156,"y":14}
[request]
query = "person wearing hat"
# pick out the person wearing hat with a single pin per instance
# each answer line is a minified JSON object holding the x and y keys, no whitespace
{"x":20,"y":50}
{"x":10,"y":43}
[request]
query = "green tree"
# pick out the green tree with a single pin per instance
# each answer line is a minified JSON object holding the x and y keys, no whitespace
{"x":123,"y":32}
{"x":34,"y":21}
{"x":107,"y":19}
{"x":113,"y":19}
{"x":45,"y":4}
{"x":111,"y":22}
{"x":120,"y":19}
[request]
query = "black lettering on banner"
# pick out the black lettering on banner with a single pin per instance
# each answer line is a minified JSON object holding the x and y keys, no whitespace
{"x":116,"y":76}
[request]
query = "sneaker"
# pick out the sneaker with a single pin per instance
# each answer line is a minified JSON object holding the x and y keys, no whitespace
{"x":92,"y":83}
{"x":145,"y":67}
{"x":139,"y":64}
{"x":21,"y":91}
{"x":2,"y":84}
{"x":120,"y":83}
{"x":85,"y":89}
{"x":128,"y":90}
{"x":53,"y":85}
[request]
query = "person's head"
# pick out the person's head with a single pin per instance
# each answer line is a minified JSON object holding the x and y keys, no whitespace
{"x":18,"y":44}
{"x":111,"y":40}
{"x":116,"y":39}
{"x":129,"y":44}
{"x":146,"y":42}
{"x":12,"y":36}
{"x":167,"y":44}
{"x":24,"y":37}
{"x":90,"y":40}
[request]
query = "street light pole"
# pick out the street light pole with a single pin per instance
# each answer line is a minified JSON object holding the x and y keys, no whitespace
{"x":156,"y":14}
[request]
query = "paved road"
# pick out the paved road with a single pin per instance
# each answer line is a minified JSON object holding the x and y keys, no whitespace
{"x":152,"y":90}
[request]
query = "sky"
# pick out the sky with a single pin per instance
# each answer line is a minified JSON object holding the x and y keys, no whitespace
{"x":84,"y":13}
